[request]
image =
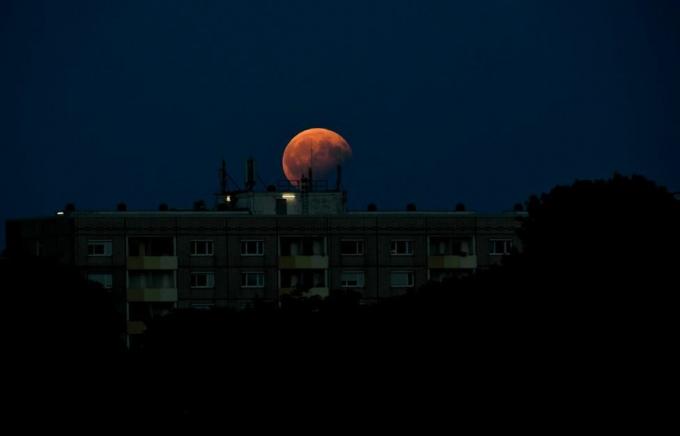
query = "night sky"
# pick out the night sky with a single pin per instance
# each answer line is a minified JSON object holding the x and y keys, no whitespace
{"x":480,"y":102}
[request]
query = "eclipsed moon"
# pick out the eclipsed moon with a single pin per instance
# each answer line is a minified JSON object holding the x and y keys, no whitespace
{"x":321,"y":149}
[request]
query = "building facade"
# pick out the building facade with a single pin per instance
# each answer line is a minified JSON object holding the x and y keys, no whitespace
{"x":153,"y":262}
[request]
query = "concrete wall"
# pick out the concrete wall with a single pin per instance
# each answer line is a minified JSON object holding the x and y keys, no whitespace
{"x":67,"y":238}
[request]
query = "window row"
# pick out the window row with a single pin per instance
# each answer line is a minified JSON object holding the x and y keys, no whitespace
{"x":138,"y":247}
{"x":249,"y":279}
{"x":312,"y":246}
{"x":348,"y":279}
{"x":207,"y":248}
{"x":166,"y":279}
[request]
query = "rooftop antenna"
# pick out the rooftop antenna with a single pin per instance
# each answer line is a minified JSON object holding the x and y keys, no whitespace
{"x":311,"y":181}
{"x":250,"y":174}
{"x":311,"y":160}
{"x":338,"y":178}
{"x":223,"y":178}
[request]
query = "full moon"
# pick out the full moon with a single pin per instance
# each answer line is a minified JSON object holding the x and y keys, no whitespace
{"x":320,"y":149}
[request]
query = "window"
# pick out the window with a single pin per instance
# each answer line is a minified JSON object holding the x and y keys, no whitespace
{"x":252,"y":280}
{"x":302,"y":246}
{"x":201,"y":248}
{"x":202,"y":306}
{"x":303,"y":279}
{"x":352,"y":279}
{"x":202,"y":280}
{"x":500,"y":246}
{"x":99,"y":248}
{"x":401,"y":279}
{"x":151,"y":246}
{"x":442,"y":246}
{"x":151,"y":279}
{"x":352,"y":247}
{"x":401,"y":248}
{"x":252,"y":248}
{"x":104,"y":279}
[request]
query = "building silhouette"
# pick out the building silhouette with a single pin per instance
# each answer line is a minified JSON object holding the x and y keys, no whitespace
{"x":260,"y":247}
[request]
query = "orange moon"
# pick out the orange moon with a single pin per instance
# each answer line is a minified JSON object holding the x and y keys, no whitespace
{"x":320,"y":149}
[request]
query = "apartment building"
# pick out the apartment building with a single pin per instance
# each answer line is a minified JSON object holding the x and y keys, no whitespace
{"x":157,"y":261}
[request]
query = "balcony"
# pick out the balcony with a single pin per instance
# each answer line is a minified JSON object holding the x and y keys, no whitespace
{"x":311,"y":292}
{"x":303,"y":262}
{"x":152,"y":262}
{"x":148,"y":295}
{"x":452,"y":262}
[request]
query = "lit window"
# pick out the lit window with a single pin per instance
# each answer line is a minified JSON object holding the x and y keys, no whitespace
{"x":401,"y":279}
{"x":499,"y":247}
{"x":99,"y":248}
{"x":202,"y":248}
{"x":103,"y":279}
{"x":252,"y":248}
{"x":202,"y":280}
{"x":352,"y":247}
{"x":252,"y":279}
{"x":401,"y":248}
{"x":352,"y":279}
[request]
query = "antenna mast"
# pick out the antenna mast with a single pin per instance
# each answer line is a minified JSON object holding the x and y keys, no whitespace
{"x":223,"y":178}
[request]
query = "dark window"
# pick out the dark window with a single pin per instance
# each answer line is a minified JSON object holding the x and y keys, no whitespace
{"x":352,"y":247}
{"x":500,"y":246}
{"x":252,"y":248}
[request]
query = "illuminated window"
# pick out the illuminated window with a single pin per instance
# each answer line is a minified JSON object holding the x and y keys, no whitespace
{"x":252,"y":248}
{"x":352,"y":279}
{"x":99,"y":248}
{"x":352,"y":247}
{"x":202,"y":280}
{"x":402,"y":279}
{"x":500,"y":247}
{"x":401,"y":248}
{"x":252,"y":279}
{"x":201,"y":248}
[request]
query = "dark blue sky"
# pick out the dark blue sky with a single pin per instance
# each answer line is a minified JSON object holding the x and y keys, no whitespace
{"x":483,"y":102}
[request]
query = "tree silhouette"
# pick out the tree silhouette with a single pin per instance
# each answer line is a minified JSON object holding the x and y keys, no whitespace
{"x":599,"y":248}
{"x":60,"y":312}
